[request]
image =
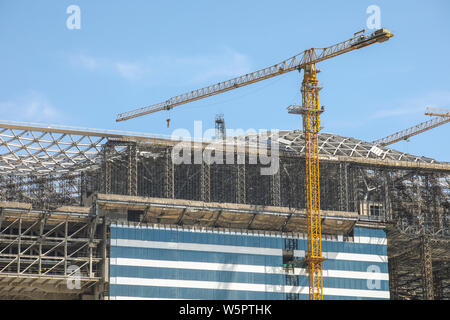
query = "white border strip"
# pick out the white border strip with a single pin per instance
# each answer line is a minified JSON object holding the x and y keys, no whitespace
{"x":370,"y":240}
{"x":356,"y":239}
{"x":194,"y":247}
{"x":211,"y":266}
{"x":234,"y":286}
{"x":241,"y":249}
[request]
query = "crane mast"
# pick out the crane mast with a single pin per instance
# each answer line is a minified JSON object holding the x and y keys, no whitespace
{"x":311,"y":127}
{"x":310,"y":111}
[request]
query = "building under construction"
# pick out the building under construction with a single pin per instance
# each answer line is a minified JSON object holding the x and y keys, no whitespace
{"x":104,"y":215}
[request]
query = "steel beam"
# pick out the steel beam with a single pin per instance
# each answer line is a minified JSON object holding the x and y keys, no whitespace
{"x":240,"y":183}
{"x":427,"y":269}
{"x":169,"y":171}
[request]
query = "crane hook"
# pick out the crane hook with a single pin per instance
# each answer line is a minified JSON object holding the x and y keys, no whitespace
{"x":168,"y":122}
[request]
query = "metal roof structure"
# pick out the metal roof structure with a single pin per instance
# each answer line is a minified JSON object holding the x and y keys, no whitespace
{"x":36,"y":149}
{"x":33,"y":150}
{"x":335,"y":145}
{"x":39,"y":150}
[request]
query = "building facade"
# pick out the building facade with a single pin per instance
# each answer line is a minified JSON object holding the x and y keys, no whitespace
{"x":115,"y":212}
{"x":155,"y":262}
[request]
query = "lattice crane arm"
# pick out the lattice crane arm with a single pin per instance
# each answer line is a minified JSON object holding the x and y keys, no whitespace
{"x":437,"y":112}
{"x":296,"y":62}
{"x":417,"y":129}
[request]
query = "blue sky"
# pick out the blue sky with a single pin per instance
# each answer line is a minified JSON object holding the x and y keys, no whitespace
{"x":130,"y":54}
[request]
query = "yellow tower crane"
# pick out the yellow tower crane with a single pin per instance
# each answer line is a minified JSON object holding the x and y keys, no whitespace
{"x":310,"y":110}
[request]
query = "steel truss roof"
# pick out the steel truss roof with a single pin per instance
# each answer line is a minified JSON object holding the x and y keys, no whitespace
{"x":40,"y":151}
{"x":334,"y":145}
{"x":33,"y":150}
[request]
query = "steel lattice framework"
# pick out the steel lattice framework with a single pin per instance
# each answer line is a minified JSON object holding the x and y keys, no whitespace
{"x":335,"y":145}
{"x":297,"y":62}
{"x":359,"y":181}
{"x":415,"y":130}
{"x":28,"y":150}
{"x":41,"y":150}
{"x":311,"y":127}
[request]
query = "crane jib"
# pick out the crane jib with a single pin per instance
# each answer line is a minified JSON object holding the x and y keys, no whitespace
{"x":297,"y":62}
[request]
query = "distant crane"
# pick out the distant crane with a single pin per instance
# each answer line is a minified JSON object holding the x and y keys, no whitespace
{"x":220,"y":127}
{"x":437,"y":112}
{"x":310,"y":110}
{"x":438,"y":119}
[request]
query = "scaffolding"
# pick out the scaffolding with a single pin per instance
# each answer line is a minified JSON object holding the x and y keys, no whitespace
{"x":50,"y":253}
{"x":407,"y":195}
